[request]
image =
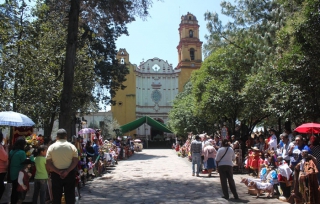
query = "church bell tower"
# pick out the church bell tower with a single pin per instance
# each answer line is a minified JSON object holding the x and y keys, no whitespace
{"x":189,"y":48}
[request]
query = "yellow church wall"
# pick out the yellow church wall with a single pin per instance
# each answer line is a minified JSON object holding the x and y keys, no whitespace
{"x":185,"y":54}
{"x":185,"y":32}
{"x":184,"y":77}
{"x":124,"y":109}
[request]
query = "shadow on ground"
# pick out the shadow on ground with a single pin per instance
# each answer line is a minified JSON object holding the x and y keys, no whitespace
{"x":144,"y":156}
{"x":155,"y":191}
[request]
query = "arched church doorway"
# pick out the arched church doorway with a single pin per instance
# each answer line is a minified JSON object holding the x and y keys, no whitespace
{"x":157,"y":135}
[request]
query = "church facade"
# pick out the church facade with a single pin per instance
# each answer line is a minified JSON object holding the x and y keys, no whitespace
{"x":152,"y":85}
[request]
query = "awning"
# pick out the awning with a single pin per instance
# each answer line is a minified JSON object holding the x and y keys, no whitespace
{"x":146,"y":119}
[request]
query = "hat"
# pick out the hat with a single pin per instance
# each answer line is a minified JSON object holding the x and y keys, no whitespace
{"x":254,"y":148}
{"x":27,"y":161}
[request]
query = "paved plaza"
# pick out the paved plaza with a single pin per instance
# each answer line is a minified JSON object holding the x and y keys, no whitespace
{"x":159,"y":176}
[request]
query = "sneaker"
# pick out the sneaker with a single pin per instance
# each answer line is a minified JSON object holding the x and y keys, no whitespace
{"x":198,"y":175}
{"x":192,"y":174}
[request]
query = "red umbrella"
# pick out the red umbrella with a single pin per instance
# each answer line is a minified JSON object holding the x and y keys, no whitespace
{"x":308,"y":128}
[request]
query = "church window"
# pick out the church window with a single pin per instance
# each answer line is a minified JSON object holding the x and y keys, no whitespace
{"x":122,"y":53}
{"x":156,"y":67}
{"x":122,"y":61}
{"x":192,"y":54}
{"x":156,"y":96}
{"x":191,"y":33}
{"x":190,"y":18}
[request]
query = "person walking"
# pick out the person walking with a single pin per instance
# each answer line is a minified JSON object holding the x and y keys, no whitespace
{"x":3,"y":165}
{"x":209,"y":157}
{"x":16,"y":156}
{"x":224,"y":158}
{"x":196,"y":151}
{"x":41,"y":177}
{"x":62,"y":158}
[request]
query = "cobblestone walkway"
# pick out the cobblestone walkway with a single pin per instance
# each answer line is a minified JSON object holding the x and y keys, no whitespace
{"x":159,"y":176}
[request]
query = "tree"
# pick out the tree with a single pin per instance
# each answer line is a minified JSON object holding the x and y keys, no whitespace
{"x":298,"y":62}
{"x":218,"y":87}
{"x":249,"y":42}
{"x":183,"y":118}
{"x":39,"y":68}
{"x":99,"y":14}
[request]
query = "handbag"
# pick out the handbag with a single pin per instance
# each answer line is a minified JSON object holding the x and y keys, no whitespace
{"x":221,"y":158}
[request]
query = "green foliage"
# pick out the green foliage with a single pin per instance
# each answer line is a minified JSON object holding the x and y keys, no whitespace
{"x":98,"y":16}
{"x":182,"y":117}
{"x":298,"y":61}
{"x":33,"y":56}
{"x":236,"y":80}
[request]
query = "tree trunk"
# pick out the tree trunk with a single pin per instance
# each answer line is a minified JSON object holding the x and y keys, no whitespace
{"x":65,"y":117}
{"x":48,"y":125}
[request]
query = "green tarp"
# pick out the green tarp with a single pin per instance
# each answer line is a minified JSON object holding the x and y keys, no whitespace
{"x":146,"y":119}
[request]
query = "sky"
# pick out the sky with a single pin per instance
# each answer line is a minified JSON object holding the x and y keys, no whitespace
{"x":158,"y":36}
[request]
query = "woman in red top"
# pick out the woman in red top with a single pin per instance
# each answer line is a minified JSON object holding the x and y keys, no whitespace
{"x":3,"y":165}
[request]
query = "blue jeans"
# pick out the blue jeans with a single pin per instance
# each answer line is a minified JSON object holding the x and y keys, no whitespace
{"x":196,"y":159}
{"x":40,"y":187}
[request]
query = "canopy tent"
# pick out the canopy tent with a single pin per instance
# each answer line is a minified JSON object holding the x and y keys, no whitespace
{"x":146,"y":119}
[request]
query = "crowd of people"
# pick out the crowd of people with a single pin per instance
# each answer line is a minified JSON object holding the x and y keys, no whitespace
{"x":287,"y":162}
{"x":65,"y":165}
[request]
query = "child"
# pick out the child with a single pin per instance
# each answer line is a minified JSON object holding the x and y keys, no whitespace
{"x":90,"y":167}
{"x":23,"y":180}
{"x":82,"y":170}
{"x":41,"y":177}
{"x":263,"y":172}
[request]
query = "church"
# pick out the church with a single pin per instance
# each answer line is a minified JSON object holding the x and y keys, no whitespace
{"x":152,"y":86}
